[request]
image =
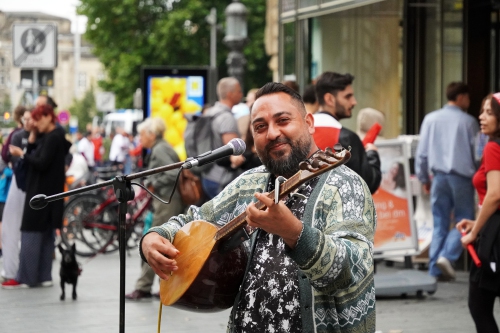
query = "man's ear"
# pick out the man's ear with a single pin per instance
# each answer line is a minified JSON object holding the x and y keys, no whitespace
{"x":309,"y":118}
{"x":329,"y":99}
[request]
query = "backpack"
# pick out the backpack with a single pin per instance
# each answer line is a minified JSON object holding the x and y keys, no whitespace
{"x":199,"y":138}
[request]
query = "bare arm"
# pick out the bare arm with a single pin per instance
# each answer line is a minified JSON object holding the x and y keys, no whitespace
{"x":490,"y":205}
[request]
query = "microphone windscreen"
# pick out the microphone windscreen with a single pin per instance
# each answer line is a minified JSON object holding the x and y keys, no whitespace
{"x":238,"y":145}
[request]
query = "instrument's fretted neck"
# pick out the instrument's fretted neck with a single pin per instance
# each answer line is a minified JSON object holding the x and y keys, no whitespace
{"x":240,"y":221}
{"x":317,"y":164}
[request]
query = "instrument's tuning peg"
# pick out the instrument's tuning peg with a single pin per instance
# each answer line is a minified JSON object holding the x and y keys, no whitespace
{"x":329,"y":152}
{"x":315,"y":163}
{"x":337,"y":147}
{"x":304,"y":165}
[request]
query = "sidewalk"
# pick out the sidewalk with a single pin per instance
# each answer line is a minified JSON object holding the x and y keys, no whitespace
{"x":97,"y":308}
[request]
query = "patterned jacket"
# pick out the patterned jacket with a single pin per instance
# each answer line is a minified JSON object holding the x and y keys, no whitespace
{"x":334,"y":252}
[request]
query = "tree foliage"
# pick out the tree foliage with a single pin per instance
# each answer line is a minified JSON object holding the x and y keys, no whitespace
{"x":128,"y":34}
{"x":84,"y":109}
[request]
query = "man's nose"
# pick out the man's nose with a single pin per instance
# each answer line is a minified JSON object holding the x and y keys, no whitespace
{"x":354,"y":101}
{"x":273,"y":132}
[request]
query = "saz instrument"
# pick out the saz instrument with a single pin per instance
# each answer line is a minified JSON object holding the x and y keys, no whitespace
{"x":213,"y":259}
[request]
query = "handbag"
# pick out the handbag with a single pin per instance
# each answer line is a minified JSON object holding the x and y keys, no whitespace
{"x":21,"y":173}
{"x":190,"y":188}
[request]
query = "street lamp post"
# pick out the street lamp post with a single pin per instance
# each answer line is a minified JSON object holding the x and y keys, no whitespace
{"x":236,"y":39}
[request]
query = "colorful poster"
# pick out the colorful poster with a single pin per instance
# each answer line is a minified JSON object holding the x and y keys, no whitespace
{"x":393,"y":200}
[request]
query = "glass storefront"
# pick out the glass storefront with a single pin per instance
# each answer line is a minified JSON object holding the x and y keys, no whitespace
{"x":403,"y":53}
{"x":366,"y":42}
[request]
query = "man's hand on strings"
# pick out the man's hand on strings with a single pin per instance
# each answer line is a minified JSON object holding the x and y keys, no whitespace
{"x":277,"y":219}
{"x":160,"y":254}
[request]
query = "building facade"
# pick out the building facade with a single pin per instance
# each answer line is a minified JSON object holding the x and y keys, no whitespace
{"x":77,"y":68}
{"x":403,"y":53}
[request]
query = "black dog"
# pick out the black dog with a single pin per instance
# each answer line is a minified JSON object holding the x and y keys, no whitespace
{"x":70,"y":270}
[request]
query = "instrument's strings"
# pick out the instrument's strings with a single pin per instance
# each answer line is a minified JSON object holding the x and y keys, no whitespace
{"x":240,"y":219}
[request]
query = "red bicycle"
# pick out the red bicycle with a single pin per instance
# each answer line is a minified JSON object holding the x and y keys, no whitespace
{"x":91,"y":221}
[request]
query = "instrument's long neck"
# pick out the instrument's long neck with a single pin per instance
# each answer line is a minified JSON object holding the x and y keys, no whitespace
{"x":317,"y":164}
{"x":240,"y":221}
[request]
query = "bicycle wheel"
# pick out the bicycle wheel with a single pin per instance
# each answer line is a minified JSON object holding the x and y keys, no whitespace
{"x":90,"y":224}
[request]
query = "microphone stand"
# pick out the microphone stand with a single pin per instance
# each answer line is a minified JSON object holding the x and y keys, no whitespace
{"x":124,"y":193}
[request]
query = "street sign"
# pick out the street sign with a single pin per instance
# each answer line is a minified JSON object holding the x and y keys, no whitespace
{"x":105,"y":101}
{"x":34,"y":45}
{"x":63,"y":117}
{"x":73,"y":124}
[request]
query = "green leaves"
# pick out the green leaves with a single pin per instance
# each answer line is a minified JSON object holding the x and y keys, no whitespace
{"x":84,"y":109}
{"x":127,"y":34}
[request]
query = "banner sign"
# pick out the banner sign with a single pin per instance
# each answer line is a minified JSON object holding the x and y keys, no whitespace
{"x":396,"y":228}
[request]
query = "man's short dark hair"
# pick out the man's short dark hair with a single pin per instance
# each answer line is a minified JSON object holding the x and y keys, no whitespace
{"x":454,"y":89}
{"x":309,"y":95}
{"x":330,"y":82}
{"x":275,"y":87}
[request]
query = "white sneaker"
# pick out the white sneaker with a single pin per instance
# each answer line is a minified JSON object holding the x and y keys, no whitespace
{"x":47,"y":283}
{"x":445,"y":266}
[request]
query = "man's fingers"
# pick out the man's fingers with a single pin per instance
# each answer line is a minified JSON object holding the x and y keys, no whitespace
{"x":262,"y":197}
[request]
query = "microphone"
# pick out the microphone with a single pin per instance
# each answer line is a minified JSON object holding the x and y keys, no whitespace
{"x":38,"y":201}
{"x":233,"y":147}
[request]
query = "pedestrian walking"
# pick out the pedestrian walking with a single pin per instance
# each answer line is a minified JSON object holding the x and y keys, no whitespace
{"x":445,"y":164}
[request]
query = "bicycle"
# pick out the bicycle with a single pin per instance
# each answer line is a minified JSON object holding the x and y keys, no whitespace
{"x":91,"y":221}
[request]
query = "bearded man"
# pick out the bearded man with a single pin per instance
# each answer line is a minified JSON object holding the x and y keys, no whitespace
{"x":310,"y":266}
{"x":336,"y":102}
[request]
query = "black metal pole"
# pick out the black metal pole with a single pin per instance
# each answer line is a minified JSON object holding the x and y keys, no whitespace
{"x":124,"y":193}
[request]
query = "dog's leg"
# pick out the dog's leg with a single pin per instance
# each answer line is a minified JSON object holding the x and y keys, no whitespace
{"x":63,"y":294}
{"x":74,"y":290}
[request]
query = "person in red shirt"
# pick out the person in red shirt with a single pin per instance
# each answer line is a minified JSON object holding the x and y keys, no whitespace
{"x":484,"y":284}
{"x":97,"y":141}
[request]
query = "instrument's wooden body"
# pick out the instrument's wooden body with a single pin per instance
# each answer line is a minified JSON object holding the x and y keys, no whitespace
{"x":208,"y":278}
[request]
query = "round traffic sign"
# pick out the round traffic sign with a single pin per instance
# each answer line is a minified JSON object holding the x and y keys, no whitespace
{"x":63,"y":117}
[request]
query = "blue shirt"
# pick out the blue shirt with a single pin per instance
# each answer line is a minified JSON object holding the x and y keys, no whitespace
{"x":446,"y":143}
{"x":5,"y":179}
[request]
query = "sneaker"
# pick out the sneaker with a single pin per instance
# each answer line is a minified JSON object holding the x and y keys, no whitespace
{"x":445,"y":266}
{"x":46,"y":284}
{"x":13,"y":284}
{"x":138,"y":295}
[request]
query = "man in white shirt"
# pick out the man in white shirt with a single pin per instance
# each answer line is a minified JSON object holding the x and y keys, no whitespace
{"x":86,"y":148}
{"x":119,"y":147}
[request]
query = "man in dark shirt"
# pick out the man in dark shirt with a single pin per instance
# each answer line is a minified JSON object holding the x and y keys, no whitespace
{"x":336,"y":101}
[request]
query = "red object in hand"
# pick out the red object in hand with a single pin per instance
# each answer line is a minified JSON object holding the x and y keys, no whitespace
{"x":472,"y":252}
{"x":372,"y":133}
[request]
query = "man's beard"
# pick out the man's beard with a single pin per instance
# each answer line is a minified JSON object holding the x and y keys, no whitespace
{"x":285,"y":166}
{"x":341,"y":111}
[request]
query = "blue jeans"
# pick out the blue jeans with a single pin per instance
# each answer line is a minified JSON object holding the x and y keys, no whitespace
{"x":449,"y":194}
{"x":210,"y":188}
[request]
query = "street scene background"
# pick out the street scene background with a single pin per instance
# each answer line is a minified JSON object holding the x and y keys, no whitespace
{"x":97,"y":307}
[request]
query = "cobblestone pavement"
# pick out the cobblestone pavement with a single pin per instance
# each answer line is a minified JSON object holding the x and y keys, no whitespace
{"x":97,"y":308}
